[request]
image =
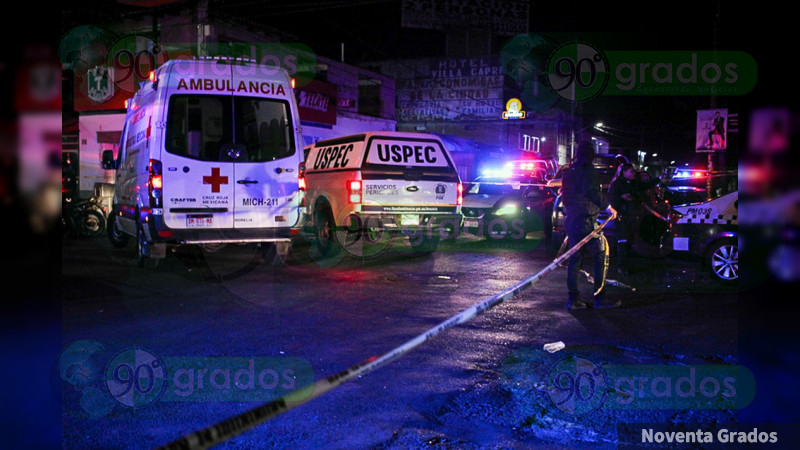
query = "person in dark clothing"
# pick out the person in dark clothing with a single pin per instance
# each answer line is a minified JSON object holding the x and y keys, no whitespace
{"x":622,"y":194}
{"x":626,"y":193}
{"x":583,"y":201}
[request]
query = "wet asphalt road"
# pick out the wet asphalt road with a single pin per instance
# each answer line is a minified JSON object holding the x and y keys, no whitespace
{"x":319,"y":317}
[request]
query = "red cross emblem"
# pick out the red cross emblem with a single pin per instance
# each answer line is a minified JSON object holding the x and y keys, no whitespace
{"x":215,"y":180}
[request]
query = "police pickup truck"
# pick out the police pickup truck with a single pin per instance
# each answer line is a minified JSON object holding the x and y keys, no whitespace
{"x":710,"y":230}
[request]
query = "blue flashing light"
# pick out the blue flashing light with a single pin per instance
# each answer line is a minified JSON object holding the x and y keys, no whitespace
{"x":497,"y":172}
{"x":684,"y":174}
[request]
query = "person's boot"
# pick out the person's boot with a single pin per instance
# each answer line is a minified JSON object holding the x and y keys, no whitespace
{"x":600,"y":302}
{"x":574,"y":302}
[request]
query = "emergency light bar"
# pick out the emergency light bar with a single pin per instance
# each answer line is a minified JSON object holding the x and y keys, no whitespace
{"x":497,"y":173}
{"x":682,"y":174}
{"x":228,"y":59}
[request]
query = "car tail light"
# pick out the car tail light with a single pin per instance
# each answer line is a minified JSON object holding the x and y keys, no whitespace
{"x":460,"y":198}
{"x":354,"y":191}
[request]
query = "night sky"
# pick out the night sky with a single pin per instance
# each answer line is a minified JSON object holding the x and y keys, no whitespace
{"x":370,"y":31}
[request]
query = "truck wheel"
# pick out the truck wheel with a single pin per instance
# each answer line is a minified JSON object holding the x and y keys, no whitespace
{"x":723,"y":260}
{"x":115,"y":235}
{"x":325,"y":242}
{"x":424,"y":244}
{"x":142,"y":260}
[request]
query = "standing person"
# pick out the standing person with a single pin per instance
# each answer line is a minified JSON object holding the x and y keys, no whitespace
{"x":622,"y":196}
{"x":627,"y":192}
{"x":583,"y":201}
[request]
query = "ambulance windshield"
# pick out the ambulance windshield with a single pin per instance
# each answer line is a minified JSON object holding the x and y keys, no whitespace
{"x":206,"y":127}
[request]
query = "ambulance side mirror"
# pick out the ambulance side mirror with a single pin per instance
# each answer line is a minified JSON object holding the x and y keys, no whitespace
{"x":108,"y":161}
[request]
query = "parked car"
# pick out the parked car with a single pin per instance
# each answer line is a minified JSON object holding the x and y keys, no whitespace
{"x":710,"y":231}
{"x":512,"y":207}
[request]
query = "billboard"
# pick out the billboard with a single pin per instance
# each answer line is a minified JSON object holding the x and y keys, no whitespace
{"x":453,"y":89}
{"x":507,"y":17}
{"x":712,"y":130}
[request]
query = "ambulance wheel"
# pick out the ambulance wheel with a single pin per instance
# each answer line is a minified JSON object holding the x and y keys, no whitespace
{"x":272,"y":255}
{"x":115,"y":235}
{"x":723,"y":260}
{"x":142,"y":260}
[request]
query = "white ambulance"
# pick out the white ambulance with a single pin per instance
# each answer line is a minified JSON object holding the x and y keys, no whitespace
{"x":382,"y":182}
{"x":210,"y":154}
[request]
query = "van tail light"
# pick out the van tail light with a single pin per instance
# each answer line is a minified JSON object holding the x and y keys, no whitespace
{"x":460,"y":198}
{"x":156,"y":183}
{"x":301,"y":184}
{"x":301,"y":180}
{"x":354,"y":191}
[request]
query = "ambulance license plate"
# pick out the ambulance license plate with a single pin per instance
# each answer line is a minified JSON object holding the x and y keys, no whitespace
{"x":409,"y":219}
{"x":199,"y":221}
{"x":471,"y":223}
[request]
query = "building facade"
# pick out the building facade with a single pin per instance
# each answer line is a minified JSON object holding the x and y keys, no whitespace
{"x":103,"y":68}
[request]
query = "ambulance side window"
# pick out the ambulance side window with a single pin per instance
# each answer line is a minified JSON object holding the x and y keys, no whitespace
{"x":198,"y":126}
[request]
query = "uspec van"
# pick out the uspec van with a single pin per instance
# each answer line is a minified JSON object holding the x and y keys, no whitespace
{"x":210,"y":154}
{"x":380,"y":182}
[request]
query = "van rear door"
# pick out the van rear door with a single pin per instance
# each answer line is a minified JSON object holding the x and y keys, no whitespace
{"x":409,"y":176}
{"x":198,"y":178}
{"x":266,"y":163}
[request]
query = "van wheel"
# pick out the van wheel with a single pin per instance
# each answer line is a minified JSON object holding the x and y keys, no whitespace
{"x":115,"y":235}
{"x":272,"y":255}
{"x":142,"y":260}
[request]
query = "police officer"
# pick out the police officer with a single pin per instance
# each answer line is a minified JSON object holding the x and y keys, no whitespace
{"x":583,"y":201}
{"x":626,"y":193}
{"x":623,"y":195}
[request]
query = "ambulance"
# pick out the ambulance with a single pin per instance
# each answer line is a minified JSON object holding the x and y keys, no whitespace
{"x":384,"y":183}
{"x":210,"y":154}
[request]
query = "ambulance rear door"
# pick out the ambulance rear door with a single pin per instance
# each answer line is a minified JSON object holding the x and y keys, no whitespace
{"x":265,"y":151}
{"x":197,"y":177}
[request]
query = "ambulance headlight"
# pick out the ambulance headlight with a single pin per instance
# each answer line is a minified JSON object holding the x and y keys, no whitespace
{"x":507,"y":210}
